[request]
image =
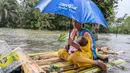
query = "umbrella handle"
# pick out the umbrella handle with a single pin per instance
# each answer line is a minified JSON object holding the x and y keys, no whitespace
{"x":70,"y":28}
{"x":69,"y":33}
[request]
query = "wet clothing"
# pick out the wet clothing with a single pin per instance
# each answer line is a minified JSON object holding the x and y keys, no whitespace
{"x":80,"y":58}
{"x":73,"y":49}
{"x":93,"y":43}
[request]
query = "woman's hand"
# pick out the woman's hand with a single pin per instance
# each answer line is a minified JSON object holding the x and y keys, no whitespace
{"x":71,"y":43}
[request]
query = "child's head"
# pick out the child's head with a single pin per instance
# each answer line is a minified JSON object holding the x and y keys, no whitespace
{"x":82,"y":41}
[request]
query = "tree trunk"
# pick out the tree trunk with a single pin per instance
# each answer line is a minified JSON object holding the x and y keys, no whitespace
{"x":95,"y":28}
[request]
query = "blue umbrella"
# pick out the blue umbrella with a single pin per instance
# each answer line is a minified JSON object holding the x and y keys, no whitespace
{"x":80,"y":10}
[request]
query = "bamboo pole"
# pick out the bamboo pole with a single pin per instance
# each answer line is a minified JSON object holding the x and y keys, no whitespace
{"x":47,"y":61}
{"x":32,"y":68}
{"x":94,"y":69}
{"x":109,"y":66}
{"x":59,"y":64}
{"x":44,"y":54}
{"x":44,"y":64}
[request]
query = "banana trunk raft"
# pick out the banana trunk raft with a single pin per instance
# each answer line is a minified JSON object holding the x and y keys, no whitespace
{"x":51,"y":63}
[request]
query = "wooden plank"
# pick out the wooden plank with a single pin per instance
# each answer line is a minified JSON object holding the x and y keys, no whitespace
{"x":32,"y":68}
{"x":59,"y":64}
{"x":47,"y":61}
{"x":44,"y":54}
{"x":66,"y":67}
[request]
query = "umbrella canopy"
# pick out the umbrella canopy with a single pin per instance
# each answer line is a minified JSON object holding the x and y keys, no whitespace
{"x":80,"y":10}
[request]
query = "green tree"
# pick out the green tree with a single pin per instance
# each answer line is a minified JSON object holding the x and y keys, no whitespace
{"x":15,"y":15}
{"x":125,"y":26}
{"x":107,"y":7}
{"x":9,"y":14}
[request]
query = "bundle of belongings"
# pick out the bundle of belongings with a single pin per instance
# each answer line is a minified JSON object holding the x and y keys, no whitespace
{"x":16,"y":61}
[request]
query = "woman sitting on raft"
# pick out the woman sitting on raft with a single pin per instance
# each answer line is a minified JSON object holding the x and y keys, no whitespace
{"x":86,"y":56}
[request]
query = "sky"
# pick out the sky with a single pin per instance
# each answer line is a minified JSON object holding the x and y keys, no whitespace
{"x":123,"y":8}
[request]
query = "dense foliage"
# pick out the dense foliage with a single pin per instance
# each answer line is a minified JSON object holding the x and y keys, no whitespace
{"x":22,"y":15}
{"x":123,"y":27}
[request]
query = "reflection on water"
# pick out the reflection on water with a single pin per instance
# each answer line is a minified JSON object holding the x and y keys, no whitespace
{"x":40,"y":41}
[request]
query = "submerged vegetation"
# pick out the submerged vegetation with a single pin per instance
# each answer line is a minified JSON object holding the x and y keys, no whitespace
{"x":62,"y":37}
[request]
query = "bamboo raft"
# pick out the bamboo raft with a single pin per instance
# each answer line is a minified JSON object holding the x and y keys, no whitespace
{"x":51,"y":63}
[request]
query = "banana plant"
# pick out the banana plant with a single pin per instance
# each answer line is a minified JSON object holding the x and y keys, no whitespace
{"x":62,"y":37}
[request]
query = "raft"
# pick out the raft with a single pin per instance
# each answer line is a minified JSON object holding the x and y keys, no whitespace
{"x":51,"y":63}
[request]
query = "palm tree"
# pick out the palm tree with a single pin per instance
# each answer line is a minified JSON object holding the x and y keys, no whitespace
{"x":9,"y":12}
{"x":3,"y":12}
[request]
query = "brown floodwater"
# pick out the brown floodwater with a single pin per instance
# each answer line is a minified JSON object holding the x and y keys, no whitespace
{"x":34,"y":41}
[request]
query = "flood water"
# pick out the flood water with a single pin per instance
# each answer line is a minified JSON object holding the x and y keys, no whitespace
{"x":34,"y":41}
